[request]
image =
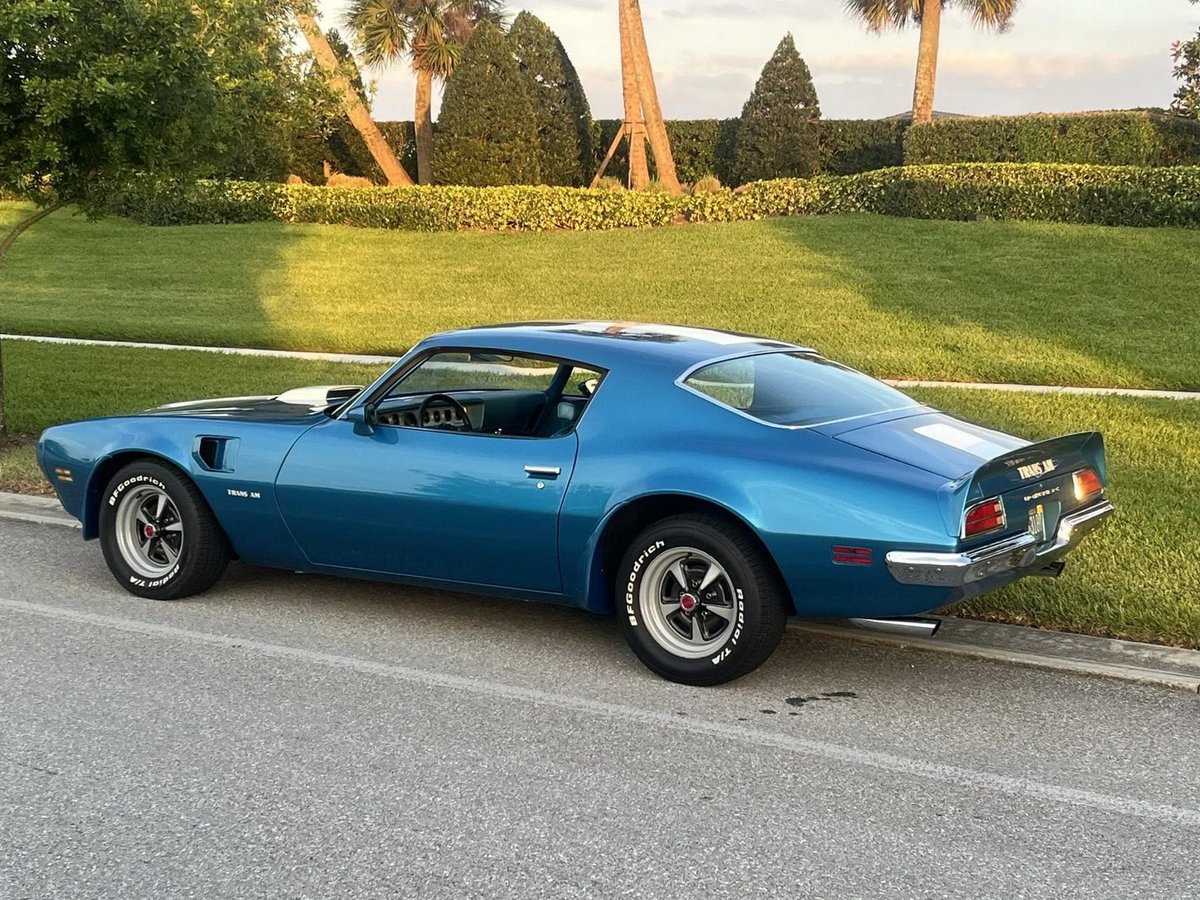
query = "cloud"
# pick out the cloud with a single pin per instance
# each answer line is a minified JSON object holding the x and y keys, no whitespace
{"x":1069,"y":54}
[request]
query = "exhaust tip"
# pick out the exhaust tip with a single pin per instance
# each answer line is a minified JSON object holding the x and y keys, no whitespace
{"x":907,"y":627}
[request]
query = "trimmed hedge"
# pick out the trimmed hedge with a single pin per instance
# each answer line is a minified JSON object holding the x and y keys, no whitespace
{"x":706,"y":146}
{"x":1076,"y":194}
{"x":849,"y":146}
{"x":1133,"y":138}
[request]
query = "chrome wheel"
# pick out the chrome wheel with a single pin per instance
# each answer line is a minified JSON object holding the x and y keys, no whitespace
{"x":688,"y":603}
{"x":149,"y":531}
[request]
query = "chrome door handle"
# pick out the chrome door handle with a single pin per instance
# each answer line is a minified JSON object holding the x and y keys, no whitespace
{"x":543,"y":471}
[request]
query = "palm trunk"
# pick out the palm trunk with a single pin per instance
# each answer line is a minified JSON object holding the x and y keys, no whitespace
{"x":423,"y":124}
{"x":927,"y":58}
{"x":639,"y":171}
{"x":656,"y":128}
{"x":352,"y":103}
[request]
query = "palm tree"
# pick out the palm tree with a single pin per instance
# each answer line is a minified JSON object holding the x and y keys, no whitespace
{"x":432,"y":34}
{"x":352,"y":102}
{"x":656,"y":128}
{"x":881,"y":15}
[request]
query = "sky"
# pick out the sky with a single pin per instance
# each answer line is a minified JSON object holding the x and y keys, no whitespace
{"x":1060,"y":55}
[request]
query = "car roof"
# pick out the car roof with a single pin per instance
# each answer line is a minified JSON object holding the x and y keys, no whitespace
{"x":611,"y":343}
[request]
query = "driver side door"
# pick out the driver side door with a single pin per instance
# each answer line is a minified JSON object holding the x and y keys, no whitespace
{"x":473,"y":507}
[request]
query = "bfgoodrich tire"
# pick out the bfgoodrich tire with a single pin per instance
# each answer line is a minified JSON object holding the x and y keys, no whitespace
{"x":698,"y":600}
{"x":159,"y":537}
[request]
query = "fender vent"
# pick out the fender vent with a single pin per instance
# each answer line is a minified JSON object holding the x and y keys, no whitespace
{"x":216,"y":454}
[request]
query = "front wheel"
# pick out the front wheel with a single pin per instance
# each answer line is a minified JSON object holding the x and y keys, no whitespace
{"x":159,"y":537}
{"x":699,"y":601}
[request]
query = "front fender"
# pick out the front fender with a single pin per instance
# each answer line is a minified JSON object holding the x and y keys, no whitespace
{"x":242,"y":498}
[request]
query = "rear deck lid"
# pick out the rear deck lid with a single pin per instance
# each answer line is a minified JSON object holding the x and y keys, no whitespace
{"x":932,"y":441}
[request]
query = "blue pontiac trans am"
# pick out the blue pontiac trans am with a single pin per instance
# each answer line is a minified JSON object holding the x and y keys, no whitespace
{"x":702,"y":485}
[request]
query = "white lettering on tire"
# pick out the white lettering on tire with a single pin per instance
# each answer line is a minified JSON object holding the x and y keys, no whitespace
{"x":129,"y":482}
{"x":638,"y":564}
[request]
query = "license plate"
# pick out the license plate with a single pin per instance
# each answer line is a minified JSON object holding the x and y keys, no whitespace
{"x":1037,"y":522}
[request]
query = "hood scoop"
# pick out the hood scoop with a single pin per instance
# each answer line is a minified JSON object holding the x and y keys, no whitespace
{"x":319,"y":396}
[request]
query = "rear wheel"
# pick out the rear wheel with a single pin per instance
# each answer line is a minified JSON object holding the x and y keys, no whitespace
{"x":159,"y":537}
{"x":699,"y":601}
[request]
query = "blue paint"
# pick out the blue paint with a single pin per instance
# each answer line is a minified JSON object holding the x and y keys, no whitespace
{"x":314,"y":492}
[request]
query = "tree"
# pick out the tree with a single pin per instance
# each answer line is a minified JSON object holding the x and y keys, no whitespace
{"x":1187,"y":69}
{"x":560,"y":106}
{"x":881,"y":15}
{"x":488,"y":131}
{"x":352,"y":102}
{"x":778,"y":135}
{"x":432,"y":33}
{"x":94,"y":95}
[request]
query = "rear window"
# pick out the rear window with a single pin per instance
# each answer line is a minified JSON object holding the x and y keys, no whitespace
{"x":795,"y":389}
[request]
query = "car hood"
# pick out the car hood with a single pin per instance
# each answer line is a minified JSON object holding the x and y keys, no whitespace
{"x":301,"y":404}
{"x":932,"y":441}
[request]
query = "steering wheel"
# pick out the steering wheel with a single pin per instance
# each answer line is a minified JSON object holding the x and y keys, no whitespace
{"x":444,"y":400}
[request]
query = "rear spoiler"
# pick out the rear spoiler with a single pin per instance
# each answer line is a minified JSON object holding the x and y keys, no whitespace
{"x":1024,"y":466}
{"x":1040,"y":460}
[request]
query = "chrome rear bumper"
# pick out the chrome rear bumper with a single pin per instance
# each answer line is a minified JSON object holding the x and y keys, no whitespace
{"x":1023,"y":551}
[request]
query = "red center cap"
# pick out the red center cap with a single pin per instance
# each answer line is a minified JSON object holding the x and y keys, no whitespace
{"x":150,"y":531}
{"x":688,"y":602}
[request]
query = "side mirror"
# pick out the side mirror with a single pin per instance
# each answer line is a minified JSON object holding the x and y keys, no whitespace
{"x":363,"y":418}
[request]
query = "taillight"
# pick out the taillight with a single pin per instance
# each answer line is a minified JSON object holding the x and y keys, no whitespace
{"x":983,"y":517}
{"x":1087,"y":483}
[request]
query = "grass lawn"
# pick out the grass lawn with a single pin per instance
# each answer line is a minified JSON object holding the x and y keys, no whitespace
{"x":1138,"y":577}
{"x":903,"y":298}
{"x":48,"y":383}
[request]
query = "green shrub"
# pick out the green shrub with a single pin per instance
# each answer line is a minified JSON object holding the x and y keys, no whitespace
{"x":560,"y":106}
{"x":1132,"y":138}
{"x":778,"y":135}
{"x":1101,"y":195}
{"x":860,"y":145}
{"x":701,"y":147}
{"x":1095,"y":195}
{"x":489,"y":133}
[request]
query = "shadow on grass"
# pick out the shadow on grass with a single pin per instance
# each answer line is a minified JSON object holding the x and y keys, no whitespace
{"x":1093,"y":304}
{"x":121,"y":280}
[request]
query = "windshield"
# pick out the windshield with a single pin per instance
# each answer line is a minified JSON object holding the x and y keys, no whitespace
{"x":795,"y":389}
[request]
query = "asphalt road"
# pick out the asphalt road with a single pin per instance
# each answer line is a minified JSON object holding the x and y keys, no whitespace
{"x":296,"y":736}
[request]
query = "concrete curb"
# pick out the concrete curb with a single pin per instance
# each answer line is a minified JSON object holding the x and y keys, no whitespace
{"x":1129,"y":661}
{"x":39,"y":510}
{"x":388,"y":360}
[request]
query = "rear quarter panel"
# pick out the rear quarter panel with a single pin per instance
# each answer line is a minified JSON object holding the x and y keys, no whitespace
{"x":800,"y":491}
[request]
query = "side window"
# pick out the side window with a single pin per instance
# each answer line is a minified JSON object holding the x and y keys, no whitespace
{"x":730,"y":382}
{"x":446,"y":372}
{"x":492,"y":393}
{"x":582,"y":382}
